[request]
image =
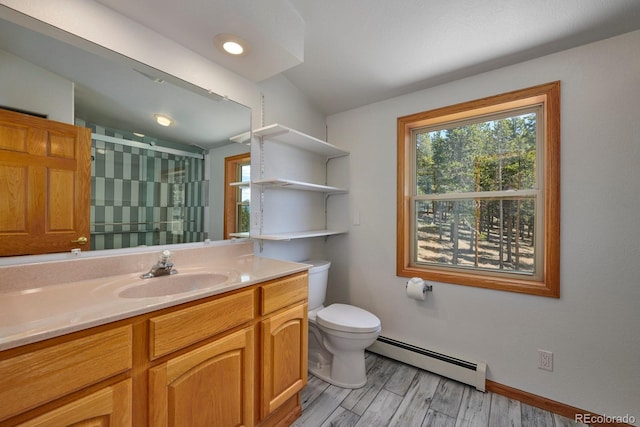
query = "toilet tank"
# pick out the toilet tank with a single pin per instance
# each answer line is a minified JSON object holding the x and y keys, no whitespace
{"x":318,"y":275}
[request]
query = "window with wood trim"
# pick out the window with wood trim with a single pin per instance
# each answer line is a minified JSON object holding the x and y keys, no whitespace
{"x":479,"y":192}
{"x":237,"y":195}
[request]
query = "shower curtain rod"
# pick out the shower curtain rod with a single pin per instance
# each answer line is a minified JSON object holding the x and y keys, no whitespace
{"x":146,"y":146}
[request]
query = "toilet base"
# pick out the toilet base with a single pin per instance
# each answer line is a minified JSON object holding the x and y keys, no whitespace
{"x":346,"y":369}
{"x":323,"y":371}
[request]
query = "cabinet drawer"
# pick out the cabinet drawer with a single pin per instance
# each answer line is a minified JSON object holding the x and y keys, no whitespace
{"x":283,"y":292}
{"x":110,"y":406}
{"x":184,"y":327}
{"x":37,"y":377}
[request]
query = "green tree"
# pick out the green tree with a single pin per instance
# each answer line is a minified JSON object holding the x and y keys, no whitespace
{"x":488,"y":156}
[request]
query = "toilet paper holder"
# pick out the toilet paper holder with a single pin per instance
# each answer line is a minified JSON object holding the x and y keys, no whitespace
{"x":425,"y":287}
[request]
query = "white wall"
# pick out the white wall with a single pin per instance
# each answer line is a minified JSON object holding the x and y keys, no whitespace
{"x":592,"y":329}
{"x":28,"y":87}
{"x":286,"y":105}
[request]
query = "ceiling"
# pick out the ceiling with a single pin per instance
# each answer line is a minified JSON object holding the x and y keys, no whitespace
{"x":345,"y":54}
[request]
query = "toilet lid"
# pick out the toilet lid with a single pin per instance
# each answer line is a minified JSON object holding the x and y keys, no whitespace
{"x":347,"y":318}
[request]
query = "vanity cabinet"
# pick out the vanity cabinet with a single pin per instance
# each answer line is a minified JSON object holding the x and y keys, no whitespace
{"x":209,"y":386}
{"x":284,"y":341}
{"x":213,"y":383}
{"x":234,"y":359}
{"x":36,"y":375}
{"x":284,"y":350}
{"x":178,"y":329}
{"x":107,"y":407}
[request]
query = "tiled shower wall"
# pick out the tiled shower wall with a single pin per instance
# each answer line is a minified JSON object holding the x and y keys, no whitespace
{"x":144,"y":197}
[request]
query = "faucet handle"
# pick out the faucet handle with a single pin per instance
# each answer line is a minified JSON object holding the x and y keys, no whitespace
{"x":165,"y":255}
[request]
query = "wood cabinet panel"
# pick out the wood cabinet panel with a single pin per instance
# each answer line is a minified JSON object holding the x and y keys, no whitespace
{"x":42,"y":375}
{"x":108,"y":407}
{"x":284,"y":292}
{"x":181,"y":328}
{"x":209,"y":386}
{"x":284,"y":357}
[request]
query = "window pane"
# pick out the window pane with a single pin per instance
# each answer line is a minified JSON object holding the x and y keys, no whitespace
{"x":245,"y":172}
{"x":243,"y":219}
{"x":486,"y":234}
{"x":244,"y":193}
{"x":491,"y":155}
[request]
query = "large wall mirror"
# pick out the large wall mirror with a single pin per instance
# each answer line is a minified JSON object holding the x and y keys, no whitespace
{"x":151,"y":184}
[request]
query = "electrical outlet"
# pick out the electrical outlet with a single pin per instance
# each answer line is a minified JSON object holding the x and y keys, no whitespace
{"x":545,"y":360}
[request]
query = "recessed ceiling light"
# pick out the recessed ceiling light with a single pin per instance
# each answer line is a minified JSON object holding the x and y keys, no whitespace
{"x":163,"y":120}
{"x":231,"y":45}
{"x":138,"y":134}
{"x":233,"y":48}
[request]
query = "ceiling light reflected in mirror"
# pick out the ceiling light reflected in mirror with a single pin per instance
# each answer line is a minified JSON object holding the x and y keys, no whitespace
{"x":163,"y":120}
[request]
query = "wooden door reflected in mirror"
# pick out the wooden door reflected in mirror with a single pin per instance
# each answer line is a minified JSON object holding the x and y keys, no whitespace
{"x":45,"y":177}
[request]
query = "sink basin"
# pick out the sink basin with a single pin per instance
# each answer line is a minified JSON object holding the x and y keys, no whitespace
{"x":171,"y":285}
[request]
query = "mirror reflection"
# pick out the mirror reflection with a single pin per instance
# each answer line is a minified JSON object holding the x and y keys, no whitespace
{"x":150,"y":184}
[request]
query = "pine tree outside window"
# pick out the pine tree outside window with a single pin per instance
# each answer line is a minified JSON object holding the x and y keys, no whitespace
{"x":478,"y":192}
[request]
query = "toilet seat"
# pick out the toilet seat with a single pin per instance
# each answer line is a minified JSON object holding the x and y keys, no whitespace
{"x":347,"y":318}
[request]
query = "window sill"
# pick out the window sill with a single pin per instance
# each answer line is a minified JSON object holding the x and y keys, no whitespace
{"x":550,"y":289}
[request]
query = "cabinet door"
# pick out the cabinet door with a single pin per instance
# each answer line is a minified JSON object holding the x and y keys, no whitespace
{"x":43,"y":375}
{"x":45,"y":185}
{"x":108,"y":407}
{"x":284,"y":364}
{"x":209,"y":386}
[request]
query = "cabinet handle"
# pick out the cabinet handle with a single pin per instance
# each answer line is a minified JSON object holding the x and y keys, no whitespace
{"x":80,"y":240}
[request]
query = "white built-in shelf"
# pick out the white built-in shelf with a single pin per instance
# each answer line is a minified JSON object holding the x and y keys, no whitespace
{"x":285,"y":135}
{"x":240,"y":184}
{"x":299,"y":185}
{"x":243,"y":138}
{"x":297,"y":235}
{"x":239,"y":235}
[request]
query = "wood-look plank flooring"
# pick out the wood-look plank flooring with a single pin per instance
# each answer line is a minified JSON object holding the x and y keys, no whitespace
{"x":399,"y":395}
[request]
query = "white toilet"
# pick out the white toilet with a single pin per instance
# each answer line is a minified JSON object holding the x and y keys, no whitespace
{"x":338,"y":334}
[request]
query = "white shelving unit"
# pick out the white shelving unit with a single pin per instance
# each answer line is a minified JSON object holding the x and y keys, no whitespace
{"x":299,"y":140}
{"x":297,"y":235}
{"x":297,"y":163}
{"x":240,"y":235}
{"x":298,"y":185}
{"x":243,"y":138}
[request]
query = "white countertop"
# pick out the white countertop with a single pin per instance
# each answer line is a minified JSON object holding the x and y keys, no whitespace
{"x":38,"y":313}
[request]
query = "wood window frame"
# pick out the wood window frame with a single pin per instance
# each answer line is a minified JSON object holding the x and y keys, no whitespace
{"x":231,"y":165}
{"x":549,"y":282}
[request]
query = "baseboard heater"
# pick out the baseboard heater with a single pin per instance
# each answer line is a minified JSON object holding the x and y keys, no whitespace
{"x":472,"y":373}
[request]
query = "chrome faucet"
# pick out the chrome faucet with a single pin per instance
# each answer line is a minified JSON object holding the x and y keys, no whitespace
{"x":162,"y":267}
